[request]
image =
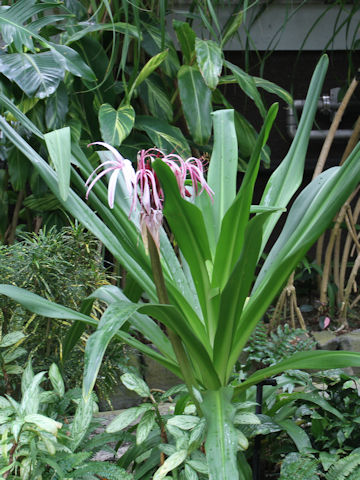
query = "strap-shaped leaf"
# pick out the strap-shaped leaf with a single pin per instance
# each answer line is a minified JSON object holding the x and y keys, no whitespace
{"x":36,"y":304}
{"x":111,"y":321}
{"x":310,"y":215}
{"x":287,"y":178}
{"x":297,"y":434}
{"x":233,"y":297}
{"x":313,"y":360}
{"x":187,"y":224}
{"x":222,"y":171}
{"x":198,"y":348}
{"x":146,"y":326}
{"x":19,"y":115}
{"x":307,"y":397}
{"x":58,"y":144}
{"x":195,"y":97}
{"x":248,"y":85}
{"x":236,"y":218}
{"x":221,"y":441}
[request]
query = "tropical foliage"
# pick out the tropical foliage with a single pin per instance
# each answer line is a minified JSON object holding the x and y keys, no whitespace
{"x":213,"y":302}
{"x":111,"y":74}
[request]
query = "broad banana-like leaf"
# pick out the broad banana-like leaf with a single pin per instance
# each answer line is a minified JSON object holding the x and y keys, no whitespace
{"x":195,"y":97}
{"x":57,"y":107}
{"x":14,"y":29}
{"x":13,"y":19}
{"x":37,"y":74}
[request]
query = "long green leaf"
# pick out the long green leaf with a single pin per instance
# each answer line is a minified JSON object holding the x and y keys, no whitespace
{"x":147,"y":70}
{"x":222,"y":171}
{"x":314,"y":360}
{"x":221,"y":439}
{"x":310,"y":215}
{"x":58,"y":144}
{"x":187,"y":224}
{"x":195,"y":97}
{"x":18,"y":114}
{"x":236,"y":218}
{"x":111,"y":321}
{"x":120,"y":27}
{"x":317,"y":399}
{"x":297,"y":434}
{"x":198,"y":347}
{"x":145,"y":325}
{"x":233,"y":297}
{"x":248,"y":85}
{"x":286,"y":179}
{"x":41,"y":306}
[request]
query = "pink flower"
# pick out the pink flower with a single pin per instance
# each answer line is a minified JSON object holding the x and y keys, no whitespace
{"x":144,"y":186}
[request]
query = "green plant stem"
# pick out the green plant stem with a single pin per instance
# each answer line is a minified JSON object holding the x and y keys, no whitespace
{"x":175,"y":340}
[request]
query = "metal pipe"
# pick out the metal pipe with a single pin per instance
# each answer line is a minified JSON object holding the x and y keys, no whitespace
{"x":327,"y":103}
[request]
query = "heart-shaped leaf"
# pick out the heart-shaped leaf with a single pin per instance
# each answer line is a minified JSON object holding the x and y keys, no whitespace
{"x":115,"y":125}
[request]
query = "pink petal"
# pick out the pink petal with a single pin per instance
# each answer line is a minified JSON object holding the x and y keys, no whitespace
{"x":326,"y":322}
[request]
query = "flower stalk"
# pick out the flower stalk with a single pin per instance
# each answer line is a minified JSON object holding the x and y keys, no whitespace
{"x":175,"y":340}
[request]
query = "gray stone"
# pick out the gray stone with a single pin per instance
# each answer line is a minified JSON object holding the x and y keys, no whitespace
{"x":326,"y":340}
{"x":157,"y":376}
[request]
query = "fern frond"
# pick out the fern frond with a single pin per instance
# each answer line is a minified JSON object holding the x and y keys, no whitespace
{"x":345,"y":467}
{"x":299,"y":467}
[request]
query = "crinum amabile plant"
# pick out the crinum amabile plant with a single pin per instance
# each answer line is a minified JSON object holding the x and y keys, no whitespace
{"x":205,"y":292}
{"x":143,"y":186}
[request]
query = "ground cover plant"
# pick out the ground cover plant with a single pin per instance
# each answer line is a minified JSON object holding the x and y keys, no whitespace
{"x":63,"y":266}
{"x":204,"y":291}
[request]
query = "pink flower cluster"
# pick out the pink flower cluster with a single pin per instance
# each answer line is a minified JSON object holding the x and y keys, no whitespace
{"x":143,"y":185}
